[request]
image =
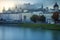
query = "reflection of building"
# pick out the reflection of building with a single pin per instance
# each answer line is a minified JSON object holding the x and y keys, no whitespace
{"x":26,"y":13}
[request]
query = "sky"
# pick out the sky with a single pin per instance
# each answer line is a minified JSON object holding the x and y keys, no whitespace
{"x":11,"y":3}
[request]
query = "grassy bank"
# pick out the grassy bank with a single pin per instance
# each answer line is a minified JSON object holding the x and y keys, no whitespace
{"x":44,"y":26}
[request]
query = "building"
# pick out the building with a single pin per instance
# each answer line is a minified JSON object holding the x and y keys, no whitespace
{"x":25,"y":14}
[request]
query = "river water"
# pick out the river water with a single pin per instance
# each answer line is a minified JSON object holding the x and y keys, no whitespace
{"x":20,"y":33}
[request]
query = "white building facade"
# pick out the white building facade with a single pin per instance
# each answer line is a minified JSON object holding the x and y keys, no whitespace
{"x":25,"y":16}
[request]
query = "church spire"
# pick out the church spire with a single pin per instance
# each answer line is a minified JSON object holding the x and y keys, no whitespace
{"x":56,"y":5}
{"x":42,"y":6}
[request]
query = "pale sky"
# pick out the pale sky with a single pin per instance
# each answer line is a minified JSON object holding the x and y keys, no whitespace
{"x":11,"y":3}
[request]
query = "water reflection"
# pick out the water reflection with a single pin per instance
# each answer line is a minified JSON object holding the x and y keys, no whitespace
{"x":19,"y":33}
{"x":56,"y":35}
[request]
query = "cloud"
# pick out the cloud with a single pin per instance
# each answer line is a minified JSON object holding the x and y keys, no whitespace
{"x":46,"y":3}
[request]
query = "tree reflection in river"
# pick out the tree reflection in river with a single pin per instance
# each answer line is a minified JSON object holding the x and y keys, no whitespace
{"x":56,"y":35}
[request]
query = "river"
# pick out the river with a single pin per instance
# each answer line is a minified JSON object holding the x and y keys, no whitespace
{"x":20,"y":33}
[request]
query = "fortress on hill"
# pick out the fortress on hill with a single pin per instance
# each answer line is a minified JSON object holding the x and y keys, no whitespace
{"x":24,"y":14}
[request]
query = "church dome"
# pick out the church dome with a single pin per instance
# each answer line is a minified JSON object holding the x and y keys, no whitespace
{"x":56,"y":5}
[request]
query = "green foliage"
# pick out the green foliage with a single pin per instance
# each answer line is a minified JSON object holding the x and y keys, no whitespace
{"x":34,"y":18}
{"x":42,"y":18}
{"x":43,"y":26}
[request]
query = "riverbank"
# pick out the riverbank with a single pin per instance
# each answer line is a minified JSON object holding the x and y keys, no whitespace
{"x":44,"y":26}
{"x":30,"y":25}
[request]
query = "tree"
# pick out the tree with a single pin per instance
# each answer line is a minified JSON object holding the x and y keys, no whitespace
{"x":55,"y":16}
{"x":34,"y":18}
{"x":42,"y":18}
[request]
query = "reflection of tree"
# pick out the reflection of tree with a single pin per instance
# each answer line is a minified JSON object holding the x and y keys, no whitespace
{"x":56,"y":35}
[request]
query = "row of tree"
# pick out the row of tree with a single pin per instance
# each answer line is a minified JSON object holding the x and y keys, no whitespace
{"x":42,"y":18}
{"x":36,"y":18}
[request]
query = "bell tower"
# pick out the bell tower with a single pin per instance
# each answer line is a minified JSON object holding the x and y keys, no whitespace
{"x":56,"y":7}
